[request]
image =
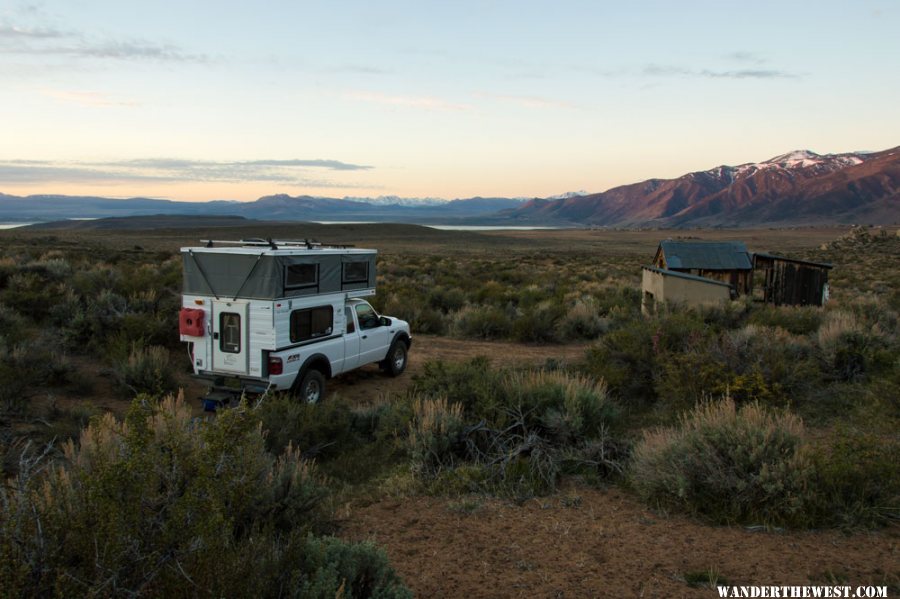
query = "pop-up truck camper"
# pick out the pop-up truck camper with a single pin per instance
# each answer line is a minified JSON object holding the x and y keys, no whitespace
{"x":261,"y":315}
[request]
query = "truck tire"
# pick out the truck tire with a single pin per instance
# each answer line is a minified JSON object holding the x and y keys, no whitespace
{"x":397,"y":356}
{"x":312,"y":387}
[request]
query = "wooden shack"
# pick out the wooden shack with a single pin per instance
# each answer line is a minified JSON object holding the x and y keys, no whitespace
{"x":725,"y":261}
{"x":791,"y":282}
{"x":661,"y":286}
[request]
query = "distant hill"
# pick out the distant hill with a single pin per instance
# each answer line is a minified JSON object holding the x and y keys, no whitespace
{"x":275,"y":207}
{"x":156,"y":221}
{"x":798,"y":188}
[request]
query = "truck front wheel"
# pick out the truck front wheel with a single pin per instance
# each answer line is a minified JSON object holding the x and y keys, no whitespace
{"x":312,"y":387}
{"x":395,"y":362}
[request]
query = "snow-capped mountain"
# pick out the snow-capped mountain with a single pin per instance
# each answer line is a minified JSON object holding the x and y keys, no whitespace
{"x":794,"y":188}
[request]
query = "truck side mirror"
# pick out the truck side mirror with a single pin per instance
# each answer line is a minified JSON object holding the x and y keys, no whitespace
{"x":384,"y":321}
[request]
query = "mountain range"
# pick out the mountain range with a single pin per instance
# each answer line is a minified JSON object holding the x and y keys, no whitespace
{"x":797,"y":188}
{"x":800,"y":187}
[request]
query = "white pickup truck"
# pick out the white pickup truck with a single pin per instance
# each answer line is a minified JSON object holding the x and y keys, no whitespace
{"x":275,"y":315}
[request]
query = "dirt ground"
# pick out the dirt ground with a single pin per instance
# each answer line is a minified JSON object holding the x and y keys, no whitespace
{"x":585,"y":542}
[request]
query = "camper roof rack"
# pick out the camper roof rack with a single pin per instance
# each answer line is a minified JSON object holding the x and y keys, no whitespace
{"x":273,"y":243}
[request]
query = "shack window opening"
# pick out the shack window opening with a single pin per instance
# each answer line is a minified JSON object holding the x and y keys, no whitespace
{"x":356,"y":272}
{"x":230,"y":332}
{"x":301,"y":275}
{"x":311,"y":323}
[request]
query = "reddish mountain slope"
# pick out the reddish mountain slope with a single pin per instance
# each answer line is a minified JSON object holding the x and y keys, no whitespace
{"x":796,"y":188}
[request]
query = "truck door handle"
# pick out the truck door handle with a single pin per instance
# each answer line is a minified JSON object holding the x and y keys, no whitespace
{"x":365,"y":336}
{"x":215,"y":335}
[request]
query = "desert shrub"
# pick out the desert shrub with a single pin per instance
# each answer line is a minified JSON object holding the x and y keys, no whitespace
{"x":582,"y":321}
{"x":858,"y":479}
{"x":317,"y":430}
{"x":161,"y":501}
{"x":849,"y":351}
{"x":27,"y":366}
{"x":12,"y":325}
{"x":539,"y":323}
{"x":353,"y":445}
{"x":729,"y":464}
{"x":798,"y":320}
{"x":624,"y":359}
{"x":145,"y":370}
{"x":446,"y":299}
{"x":435,"y":436}
{"x":473,"y":383}
{"x":767,"y":365}
{"x":482,"y":322}
{"x":509,"y":433}
{"x":565,"y":407}
{"x":31,"y":294}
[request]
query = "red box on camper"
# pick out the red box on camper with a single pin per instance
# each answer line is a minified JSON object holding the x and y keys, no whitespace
{"x":190,"y":322}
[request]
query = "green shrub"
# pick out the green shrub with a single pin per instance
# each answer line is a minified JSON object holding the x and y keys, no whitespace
{"x":729,"y":464}
{"x":624,"y":358}
{"x":27,"y":366}
{"x":858,"y":479}
{"x":317,"y":430}
{"x":539,"y":324}
{"x":473,"y":383}
{"x":482,"y":322}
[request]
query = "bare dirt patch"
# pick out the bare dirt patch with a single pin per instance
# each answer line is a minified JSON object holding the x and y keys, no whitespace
{"x":584,"y":542}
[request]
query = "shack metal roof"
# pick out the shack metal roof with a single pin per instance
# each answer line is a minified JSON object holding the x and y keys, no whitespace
{"x":684,"y":275}
{"x":795,"y":260}
{"x":707,"y":255}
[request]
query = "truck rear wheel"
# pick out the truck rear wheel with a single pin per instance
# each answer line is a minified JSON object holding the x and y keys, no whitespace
{"x":312,"y":387}
{"x":397,"y":356}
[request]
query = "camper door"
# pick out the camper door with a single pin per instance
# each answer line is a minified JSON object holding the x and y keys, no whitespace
{"x":230,"y":351}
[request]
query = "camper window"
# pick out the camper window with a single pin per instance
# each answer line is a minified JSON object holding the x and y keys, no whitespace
{"x":230,"y":332}
{"x":301,"y":275}
{"x":356,"y":272}
{"x":311,"y":323}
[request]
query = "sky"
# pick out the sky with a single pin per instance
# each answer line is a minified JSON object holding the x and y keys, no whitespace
{"x":200,"y":100}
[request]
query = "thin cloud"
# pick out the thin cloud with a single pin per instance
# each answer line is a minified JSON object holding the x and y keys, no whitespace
{"x":419,"y":102}
{"x":747,"y":57}
{"x":172,"y":170}
{"x":748,"y":74}
{"x":535,"y":102}
{"x":48,"y":41}
{"x":9,"y":31}
{"x":359,"y":69}
{"x":86,"y":98}
{"x":655,"y":70}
